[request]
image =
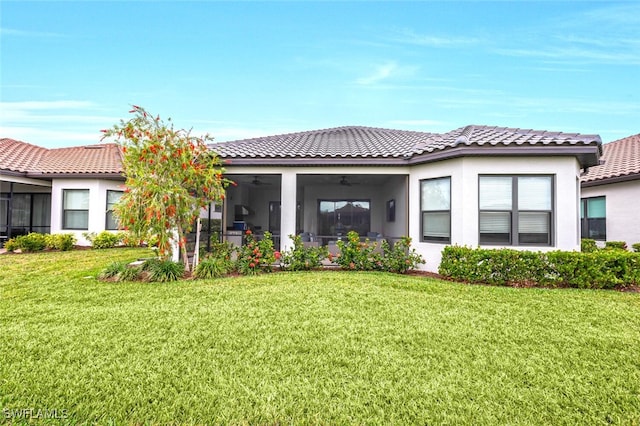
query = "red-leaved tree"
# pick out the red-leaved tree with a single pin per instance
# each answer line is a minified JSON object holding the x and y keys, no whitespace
{"x":170,"y":176}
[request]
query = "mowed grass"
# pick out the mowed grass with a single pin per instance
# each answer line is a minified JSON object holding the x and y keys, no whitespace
{"x":310,"y":348}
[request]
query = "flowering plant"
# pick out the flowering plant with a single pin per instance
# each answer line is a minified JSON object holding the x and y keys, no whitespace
{"x":256,"y":256}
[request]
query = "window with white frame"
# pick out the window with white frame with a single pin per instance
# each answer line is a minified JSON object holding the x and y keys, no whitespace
{"x":112,"y":198}
{"x":435,"y":207}
{"x":593,"y":218}
{"x":75,"y":210}
{"x":516,"y":210}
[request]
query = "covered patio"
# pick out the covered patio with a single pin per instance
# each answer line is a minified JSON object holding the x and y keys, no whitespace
{"x":322,"y":208}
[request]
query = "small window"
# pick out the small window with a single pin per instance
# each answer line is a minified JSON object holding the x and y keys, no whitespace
{"x":435,"y":205}
{"x":516,"y":210}
{"x":593,"y":218}
{"x":75,"y":210}
{"x":112,"y":198}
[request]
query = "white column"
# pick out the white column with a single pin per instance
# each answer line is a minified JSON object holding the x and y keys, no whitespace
{"x":288,"y":209}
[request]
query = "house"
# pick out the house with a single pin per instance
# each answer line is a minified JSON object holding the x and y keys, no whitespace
{"x":612,"y":190}
{"x":474,"y":186}
{"x":67,"y":190}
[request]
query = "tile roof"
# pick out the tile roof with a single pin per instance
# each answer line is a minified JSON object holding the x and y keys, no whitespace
{"x":370,"y":142}
{"x":35,"y":161}
{"x":90,"y":159}
{"x":17,"y":156}
{"x":621,"y":161}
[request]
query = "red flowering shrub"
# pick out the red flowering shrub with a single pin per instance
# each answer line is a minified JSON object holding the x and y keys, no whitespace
{"x":256,"y":256}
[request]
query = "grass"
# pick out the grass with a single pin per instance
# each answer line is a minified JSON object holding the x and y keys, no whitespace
{"x":310,"y":348}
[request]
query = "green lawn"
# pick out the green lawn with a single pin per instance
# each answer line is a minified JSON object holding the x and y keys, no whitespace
{"x":310,"y":348}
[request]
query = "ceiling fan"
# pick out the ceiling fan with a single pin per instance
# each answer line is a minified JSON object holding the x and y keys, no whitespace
{"x":345,"y":182}
{"x":258,"y":182}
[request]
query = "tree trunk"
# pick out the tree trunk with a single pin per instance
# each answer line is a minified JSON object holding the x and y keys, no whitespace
{"x":196,"y":250}
{"x":182,"y":243}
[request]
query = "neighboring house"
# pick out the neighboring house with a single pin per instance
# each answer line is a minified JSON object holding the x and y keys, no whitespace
{"x":474,"y":186}
{"x":610,"y":204}
{"x":67,"y":190}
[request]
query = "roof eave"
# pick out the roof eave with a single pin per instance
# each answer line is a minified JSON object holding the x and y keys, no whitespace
{"x":610,"y":180}
{"x":587,"y":155}
{"x":106,"y":175}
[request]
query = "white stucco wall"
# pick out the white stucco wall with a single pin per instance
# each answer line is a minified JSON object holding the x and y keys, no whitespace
{"x":464,"y":174}
{"x":97,"y":204}
{"x":623,"y":209}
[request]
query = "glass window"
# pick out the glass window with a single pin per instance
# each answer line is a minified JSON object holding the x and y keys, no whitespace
{"x":593,"y":218}
{"x":516,"y":210}
{"x":112,"y":198}
{"x":435,"y":204}
{"x":75,"y":209}
{"x":337,"y":217}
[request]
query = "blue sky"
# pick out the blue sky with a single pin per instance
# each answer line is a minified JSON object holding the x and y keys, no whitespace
{"x":245,"y":69}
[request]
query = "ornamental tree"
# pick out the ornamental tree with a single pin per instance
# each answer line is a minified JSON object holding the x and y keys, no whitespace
{"x":170,"y":176}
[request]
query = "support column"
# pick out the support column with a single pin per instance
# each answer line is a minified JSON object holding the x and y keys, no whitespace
{"x":288,"y":209}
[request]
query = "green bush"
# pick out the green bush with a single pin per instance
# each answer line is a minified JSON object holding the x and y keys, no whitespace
{"x":587,"y":245}
{"x":256,"y":256}
{"x":31,"y":242}
{"x":302,"y":258}
{"x":615,"y":245}
{"x":112,"y":270}
{"x":63,"y":242}
{"x":11,"y":245}
{"x":213,"y":267}
{"x":357,"y":255}
{"x":104,"y":239}
{"x":599,"y":269}
{"x":130,"y":273}
{"x":636,"y":247}
{"x":401,"y":258}
{"x":164,"y":270}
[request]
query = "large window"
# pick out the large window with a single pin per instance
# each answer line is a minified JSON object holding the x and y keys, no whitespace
{"x":112,"y":198}
{"x":593,"y":218}
{"x":337,"y":217}
{"x":435,"y":205}
{"x":516,"y":210}
{"x":75,"y":210}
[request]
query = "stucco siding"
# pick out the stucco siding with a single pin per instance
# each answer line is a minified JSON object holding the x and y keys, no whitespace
{"x":622,"y":209}
{"x":97,"y":204}
{"x":464,"y":175}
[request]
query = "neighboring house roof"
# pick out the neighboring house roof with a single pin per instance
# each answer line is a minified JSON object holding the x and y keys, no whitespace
{"x":16,"y":156}
{"x":21,"y":158}
{"x":369,"y":145}
{"x":620,"y":162}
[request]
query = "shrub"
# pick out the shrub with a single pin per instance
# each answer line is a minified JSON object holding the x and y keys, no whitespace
{"x":301,"y":258}
{"x":129,"y":273}
{"x":63,"y":242}
{"x":112,"y":270}
{"x":213,"y":267}
{"x":11,"y":245}
{"x":256,"y":256}
{"x":588,"y":245}
{"x":164,"y":270}
{"x":401,"y":258}
{"x":104,"y":239}
{"x":599,"y":269}
{"x":636,"y":247}
{"x":357,"y":255}
{"x":31,"y":242}
{"x":615,"y":245}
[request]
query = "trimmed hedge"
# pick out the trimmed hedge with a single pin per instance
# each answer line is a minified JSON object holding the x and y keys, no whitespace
{"x":599,"y":269}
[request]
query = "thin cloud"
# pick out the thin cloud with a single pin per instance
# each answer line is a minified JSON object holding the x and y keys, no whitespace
{"x":45,"y":105}
{"x":382,"y":72}
{"x":408,"y":36}
{"x":417,"y":123}
{"x":28,"y":33}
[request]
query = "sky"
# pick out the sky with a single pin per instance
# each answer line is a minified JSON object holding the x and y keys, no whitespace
{"x":246,"y":69}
